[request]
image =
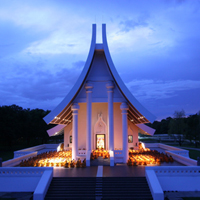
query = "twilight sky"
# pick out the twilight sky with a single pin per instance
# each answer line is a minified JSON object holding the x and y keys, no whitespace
{"x":154,"y":44}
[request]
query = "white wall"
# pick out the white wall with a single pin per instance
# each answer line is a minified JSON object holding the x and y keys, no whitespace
{"x":82,"y":125}
{"x":176,"y":178}
{"x":180,"y":155}
{"x":134,"y":129}
{"x":117,"y":126}
{"x":99,"y":75}
{"x":26,"y":179}
{"x":98,"y":108}
{"x":67,"y":130}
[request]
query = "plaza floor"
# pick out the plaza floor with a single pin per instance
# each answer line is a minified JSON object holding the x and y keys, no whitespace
{"x":119,"y":170}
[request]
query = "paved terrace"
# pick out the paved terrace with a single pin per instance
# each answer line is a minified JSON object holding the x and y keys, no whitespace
{"x":119,"y":170}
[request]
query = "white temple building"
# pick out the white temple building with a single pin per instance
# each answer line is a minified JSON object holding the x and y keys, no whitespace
{"x":100,"y":111}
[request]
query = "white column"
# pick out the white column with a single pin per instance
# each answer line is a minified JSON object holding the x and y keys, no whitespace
{"x":75,"y":107}
{"x":66,"y":139}
{"x":110,"y":87}
{"x":88,"y":87}
{"x":124,"y":108}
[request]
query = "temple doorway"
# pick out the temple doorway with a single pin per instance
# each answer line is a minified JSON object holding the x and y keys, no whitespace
{"x":100,"y":141}
{"x":100,"y":134}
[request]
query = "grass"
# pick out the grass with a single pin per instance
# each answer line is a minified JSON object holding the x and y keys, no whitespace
{"x":7,"y":198}
{"x":149,"y":140}
{"x":7,"y":152}
{"x":194,"y":154}
{"x":184,"y":145}
{"x":6,"y":155}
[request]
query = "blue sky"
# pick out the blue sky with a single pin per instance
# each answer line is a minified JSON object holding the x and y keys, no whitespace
{"x":154,"y":44}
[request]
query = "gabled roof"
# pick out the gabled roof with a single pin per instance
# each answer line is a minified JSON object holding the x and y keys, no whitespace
{"x":62,"y":114}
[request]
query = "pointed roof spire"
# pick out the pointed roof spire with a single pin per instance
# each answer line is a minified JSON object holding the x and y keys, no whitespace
{"x":63,"y":109}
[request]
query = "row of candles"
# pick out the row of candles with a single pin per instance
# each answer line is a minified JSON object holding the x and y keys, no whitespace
{"x":99,"y":152}
{"x":49,"y":159}
{"x":147,"y":156}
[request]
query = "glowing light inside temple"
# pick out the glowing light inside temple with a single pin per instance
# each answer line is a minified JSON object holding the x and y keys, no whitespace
{"x":143,"y":146}
{"x":49,"y":159}
{"x":53,"y":162}
{"x":147,"y":157}
{"x":58,"y":148}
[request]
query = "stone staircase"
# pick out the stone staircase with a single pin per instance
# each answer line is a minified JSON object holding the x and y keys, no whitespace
{"x":103,"y":188}
{"x":125,"y":188}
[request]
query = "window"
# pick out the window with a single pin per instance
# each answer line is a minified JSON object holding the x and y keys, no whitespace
{"x":100,"y":141}
{"x":130,"y":138}
{"x":70,"y":139}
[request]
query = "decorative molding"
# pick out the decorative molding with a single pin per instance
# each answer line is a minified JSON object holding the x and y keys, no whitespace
{"x":110,"y":86}
{"x":88,"y":87}
{"x":75,"y":107}
{"x":100,"y":126}
{"x":124,"y":106}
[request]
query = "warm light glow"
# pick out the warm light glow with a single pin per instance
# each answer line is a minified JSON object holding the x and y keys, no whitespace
{"x":99,"y":152}
{"x":50,"y":159}
{"x":143,"y":146}
{"x":100,"y":141}
{"x":146,"y":156}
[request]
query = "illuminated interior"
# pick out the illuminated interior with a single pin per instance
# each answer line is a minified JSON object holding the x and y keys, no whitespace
{"x":101,"y":141}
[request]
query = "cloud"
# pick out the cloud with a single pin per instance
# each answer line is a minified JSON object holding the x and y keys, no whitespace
{"x":139,"y":21}
{"x":44,"y":44}
{"x":79,"y":64}
{"x":59,"y":42}
{"x":43,"y":28}
{"x":37,"y":86}
{"x":151,"y":89}
{"x":131,"y":24}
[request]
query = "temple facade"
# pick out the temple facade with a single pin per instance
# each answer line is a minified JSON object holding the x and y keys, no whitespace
{"x":100,"y":111}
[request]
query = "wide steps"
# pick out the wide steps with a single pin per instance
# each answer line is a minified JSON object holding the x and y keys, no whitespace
{"x":104,"y":188}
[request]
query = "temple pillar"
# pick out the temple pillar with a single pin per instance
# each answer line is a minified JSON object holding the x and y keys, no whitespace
{"x":88,"y":87}
{"x":124,"y":108}
{"x":66,"y":139}
{"x":110,"y":87}
{"x":75,"y":107}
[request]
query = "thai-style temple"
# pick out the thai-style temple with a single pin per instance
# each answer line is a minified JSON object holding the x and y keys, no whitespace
{"x":100,"y":111}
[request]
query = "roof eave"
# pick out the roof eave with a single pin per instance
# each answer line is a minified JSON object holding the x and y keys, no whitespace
{"x":55,"y":130}
{"x":147,"y":130}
